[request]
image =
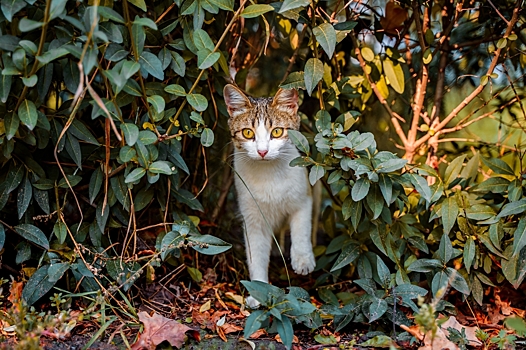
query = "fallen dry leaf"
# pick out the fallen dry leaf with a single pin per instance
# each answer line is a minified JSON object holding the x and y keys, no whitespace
{"x":295,"y":339}
{"x":15,"y":292}
{"x":258,"y":333}
{"x":205,"y":306}
{"x":157,"y":329}
{"x":237,"y":298}
{"x":230,"y":328}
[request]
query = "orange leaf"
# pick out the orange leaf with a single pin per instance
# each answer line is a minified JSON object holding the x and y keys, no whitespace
{"x":15,"y":292}
{"x":157,"y":329}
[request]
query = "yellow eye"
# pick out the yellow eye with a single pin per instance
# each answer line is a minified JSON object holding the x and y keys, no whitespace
{"x":248,"y":134}
{"x":277,"y":132}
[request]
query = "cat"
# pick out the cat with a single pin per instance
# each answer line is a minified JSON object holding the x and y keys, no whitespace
{"x":270,"y":193}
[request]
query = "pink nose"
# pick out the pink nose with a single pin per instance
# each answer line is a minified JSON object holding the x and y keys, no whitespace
{"x":262,"y":153}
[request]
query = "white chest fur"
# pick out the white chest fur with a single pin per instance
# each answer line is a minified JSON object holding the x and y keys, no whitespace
{"x":271,"y":194}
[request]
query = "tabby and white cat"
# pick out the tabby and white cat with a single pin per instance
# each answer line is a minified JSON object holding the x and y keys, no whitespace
{"x":270,"y":193}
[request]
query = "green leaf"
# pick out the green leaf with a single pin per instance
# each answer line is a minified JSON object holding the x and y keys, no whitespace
{"x":30,"y":81}
{"x":383,"y":273}
{"x":395,"y":74}
{"x":135,"y":175}
{"x":227,"y":5}
{"x":254,"y":322}
{"x":28,"y":25}
{"x":285,"y":331}
{"x":11,"y":7}
{"x":95,"y":184}
{"x":11,"y":124}
{"x":147,"y":137}
{"x":209,"y":245}
{"x":202,"y":40}
{"x":453,"y":169}
{"x":513,"y":208}
{"x":299,"y":140}
{"x":199,"y":102}
{"x":409,"y":291}
{"x":2,"y":236}
{"x":81,"y":132}
{"x":160,"y":167}
{"x":519,"y":237}
{"x":5,"y":87}
{"x":424,"y":265}
{"x":178,"y":64}
{"x":25,"y":192}
{"x":152,"y":64}
{"x":175,"y":89}
{"x":375,"y":201}
{"x":493,"y":184}
{"x":386,"y":187}
{"x":469,"y":253}
{"x":421,"y":186}
{"x":140,"y":4}
{"x":498,"y":166}
{"x":457,"y":281}
{"x":145,"y":22}
{"x":293,"y":4}
{"x":57,"y":270}
{"x":360,"y":189}
{"x":326,"y":36}
{"x":206,"y":58}
{"x":207,"y":137}
{"x":316,"y":173}
{"x":445,"y":249}
{"x":131,"y":133}
{"x":377,"y":309}
{"x":37,"y":286}
{"x":60,"y":231}
{"x":109,"y":13}
{"x":449,"y":213}
{"x":262,"y":292}
{"x":33,"y":234}
{"x":379,"y":341}
{"x":439,"y":283}
{"x":349,"y":253}
{"x":313,"y":74}
{"x":391,"y":165}
{"x":256,"y":10}
{"x":480,"y":212}
{"x":157,"y":102}
{"x":295,"y":80}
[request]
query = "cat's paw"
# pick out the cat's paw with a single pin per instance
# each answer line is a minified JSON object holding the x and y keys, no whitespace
{"x":252,"y":303}
{"x":303,"y":264}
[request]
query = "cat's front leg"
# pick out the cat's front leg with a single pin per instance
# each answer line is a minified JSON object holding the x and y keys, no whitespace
{"x":301,"y":255}
{"x":258,"y":242}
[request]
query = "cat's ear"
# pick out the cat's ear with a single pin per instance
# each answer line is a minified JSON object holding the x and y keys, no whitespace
{"x":236,"y":101}
{"x":286,"y":101}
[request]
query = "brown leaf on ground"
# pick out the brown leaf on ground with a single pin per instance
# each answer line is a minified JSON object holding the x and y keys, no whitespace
{"x":230,"y":328}
{"x":15,"y":292}
{"x":295,"y":339}
{"x":258,"y":333}
{"x":157,"y":329}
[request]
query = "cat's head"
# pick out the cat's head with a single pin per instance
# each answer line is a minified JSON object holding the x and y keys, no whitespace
{"x":259,"y":125}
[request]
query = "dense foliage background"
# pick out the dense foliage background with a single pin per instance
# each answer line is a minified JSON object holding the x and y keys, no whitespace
{"x":115,"y":149}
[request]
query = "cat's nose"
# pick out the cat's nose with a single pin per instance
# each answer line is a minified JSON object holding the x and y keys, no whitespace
{"x":262,"y":153}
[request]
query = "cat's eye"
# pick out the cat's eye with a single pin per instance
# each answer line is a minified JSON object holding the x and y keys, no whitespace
{"x":277,"y":132}
{"x":248,"y":133}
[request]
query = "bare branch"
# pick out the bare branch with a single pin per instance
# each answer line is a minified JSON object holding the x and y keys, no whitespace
{"x":479,"y":88}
